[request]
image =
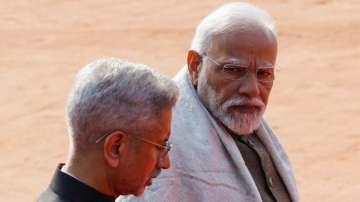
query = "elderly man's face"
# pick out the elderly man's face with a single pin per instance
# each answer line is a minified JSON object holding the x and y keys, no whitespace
{"x":143,"y":161}
{"x":238,"y":102}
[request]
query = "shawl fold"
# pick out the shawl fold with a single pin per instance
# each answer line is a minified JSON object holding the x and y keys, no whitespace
{"x":206,"y":164}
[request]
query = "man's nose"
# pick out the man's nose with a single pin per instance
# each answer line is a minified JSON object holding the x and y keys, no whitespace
{"x":164,"y":162}
{"x":249,"y":86}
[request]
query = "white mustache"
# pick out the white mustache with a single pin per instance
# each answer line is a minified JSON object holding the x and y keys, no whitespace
{"x":256,"y":102}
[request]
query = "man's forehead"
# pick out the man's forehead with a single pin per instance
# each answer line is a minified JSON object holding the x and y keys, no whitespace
{"x":160,"y":126}
{"x":246,"y":33}
{"x":245,"y":44}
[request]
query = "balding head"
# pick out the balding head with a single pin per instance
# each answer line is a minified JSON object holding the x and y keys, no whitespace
{"x":227,"y":18}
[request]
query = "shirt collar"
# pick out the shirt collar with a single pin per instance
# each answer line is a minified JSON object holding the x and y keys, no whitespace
{"x":71,"y":188}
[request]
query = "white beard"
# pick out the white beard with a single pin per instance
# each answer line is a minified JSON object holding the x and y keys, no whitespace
{"x":239,"y":123}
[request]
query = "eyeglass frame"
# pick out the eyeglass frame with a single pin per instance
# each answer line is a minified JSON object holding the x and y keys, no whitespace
{"x":166,"y":148}
{"x":222,"y":68}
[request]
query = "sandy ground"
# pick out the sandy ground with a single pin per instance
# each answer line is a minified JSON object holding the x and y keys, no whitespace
{"x":314,"y":106}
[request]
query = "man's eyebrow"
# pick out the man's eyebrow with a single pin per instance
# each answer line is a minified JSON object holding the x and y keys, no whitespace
{"x":231,"y":61}
{"x":266,"y":67}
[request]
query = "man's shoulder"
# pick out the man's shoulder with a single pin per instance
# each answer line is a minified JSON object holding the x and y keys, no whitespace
{"x":51,"y":196}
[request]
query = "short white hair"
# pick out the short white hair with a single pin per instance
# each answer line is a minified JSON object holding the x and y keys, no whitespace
{"x":225,"y":19}
{"x":113,"y":94}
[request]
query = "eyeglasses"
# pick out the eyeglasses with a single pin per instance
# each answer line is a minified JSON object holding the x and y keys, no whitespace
{"x":264,"y":75}
{"x":163,"y":148}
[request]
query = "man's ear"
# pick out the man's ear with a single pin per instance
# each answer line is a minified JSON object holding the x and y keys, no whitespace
{"x":115,"y":147}
{"x":193,"y":63}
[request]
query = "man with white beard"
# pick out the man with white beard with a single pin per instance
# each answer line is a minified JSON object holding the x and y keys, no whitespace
{"x":223,"y":149}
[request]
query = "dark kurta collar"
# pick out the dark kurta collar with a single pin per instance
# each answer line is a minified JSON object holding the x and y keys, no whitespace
{"x":74,"y":190}
{"x":262,"y":168}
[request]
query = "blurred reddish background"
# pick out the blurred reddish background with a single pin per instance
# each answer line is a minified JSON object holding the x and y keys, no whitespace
{"x":314,"y":107}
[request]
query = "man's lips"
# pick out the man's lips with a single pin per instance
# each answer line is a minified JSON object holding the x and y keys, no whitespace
{"x":244,"y":108}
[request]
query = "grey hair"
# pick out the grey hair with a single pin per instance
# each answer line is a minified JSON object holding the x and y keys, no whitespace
{"x":225,"y":19}
{"x":113,"y":94}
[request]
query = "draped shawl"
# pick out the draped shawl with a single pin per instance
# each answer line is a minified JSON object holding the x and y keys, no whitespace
{"x":206,"y":164}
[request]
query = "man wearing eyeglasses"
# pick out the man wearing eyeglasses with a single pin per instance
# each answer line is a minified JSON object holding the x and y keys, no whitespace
{"x":224,"y":150}
{"x":119,"y":122}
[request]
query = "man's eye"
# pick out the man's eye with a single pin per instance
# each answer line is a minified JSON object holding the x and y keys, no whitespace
{"x":264,"y":73}
{"x":235,"y":70}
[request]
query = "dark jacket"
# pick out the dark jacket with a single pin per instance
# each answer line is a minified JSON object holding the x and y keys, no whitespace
{"x":64,"y":188}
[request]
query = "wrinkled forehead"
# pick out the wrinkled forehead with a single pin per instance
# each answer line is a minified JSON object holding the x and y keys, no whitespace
{"x":248,"y":27}
{"x":243,"y":39}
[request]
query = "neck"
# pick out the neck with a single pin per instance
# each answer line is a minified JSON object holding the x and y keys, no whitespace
{"x":91,"y":174}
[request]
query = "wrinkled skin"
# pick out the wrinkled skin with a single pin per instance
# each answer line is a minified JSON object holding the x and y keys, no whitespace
{"x":238,"y":104}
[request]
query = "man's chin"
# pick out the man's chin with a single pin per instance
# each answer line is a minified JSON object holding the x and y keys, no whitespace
{"x":240,"y":130}
{"x":243,"y":125}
